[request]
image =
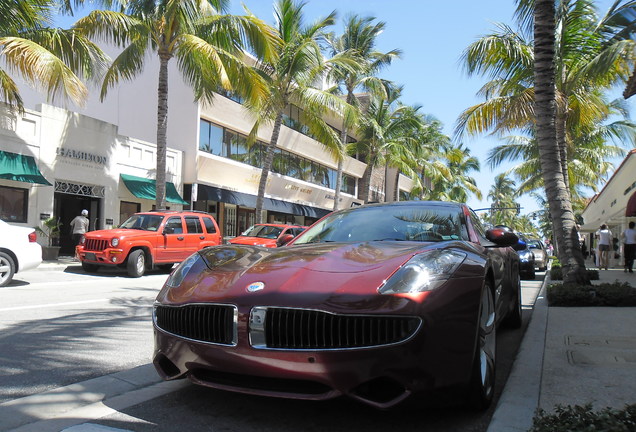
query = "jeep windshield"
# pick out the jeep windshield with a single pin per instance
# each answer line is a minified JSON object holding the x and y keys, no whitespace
{"x":145,"y":222}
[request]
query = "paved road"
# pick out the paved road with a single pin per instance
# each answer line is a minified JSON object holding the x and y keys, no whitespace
{"x":62,"y":328}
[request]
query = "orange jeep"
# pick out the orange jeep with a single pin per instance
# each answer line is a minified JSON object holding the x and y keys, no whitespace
{"x":155,"y":239}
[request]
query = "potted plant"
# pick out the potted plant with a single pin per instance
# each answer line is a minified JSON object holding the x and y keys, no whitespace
{"x":51,"y":230}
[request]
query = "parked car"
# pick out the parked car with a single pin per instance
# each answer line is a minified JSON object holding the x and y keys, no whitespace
{"x":526,"y":258}
{"x":540,"y":254}
{"x":148,"y":240}
{"x":19,"y":251}
{"x":376,"y":303}
{"x":268,"y":235}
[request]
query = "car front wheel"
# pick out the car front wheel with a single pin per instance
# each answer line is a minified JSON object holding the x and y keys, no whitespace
{"x":482,"y":383}
{"x":7,"y":269}
{"x":136,"y":264}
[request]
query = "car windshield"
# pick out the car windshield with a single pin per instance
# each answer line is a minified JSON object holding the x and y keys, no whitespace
{"x":534,"y":244}
{"x":146,"y":222}
{"x":263,"y":231}
{"x":398,"y":223}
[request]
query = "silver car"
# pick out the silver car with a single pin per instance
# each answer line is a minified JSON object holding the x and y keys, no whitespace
{"x":540,"y":254}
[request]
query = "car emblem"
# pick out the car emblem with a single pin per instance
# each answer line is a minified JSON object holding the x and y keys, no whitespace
{"x":255,"y":286}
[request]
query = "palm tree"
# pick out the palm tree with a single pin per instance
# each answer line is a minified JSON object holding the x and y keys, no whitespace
{"x":389,"y":134}
{"x":207,"y":44}
{"x":587,"y":64}
{"x":53,"y":59}
{"x":359,"y":37}
{"x":291,"y":79}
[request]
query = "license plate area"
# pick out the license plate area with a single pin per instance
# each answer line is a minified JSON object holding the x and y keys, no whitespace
{"x":90,"y":256}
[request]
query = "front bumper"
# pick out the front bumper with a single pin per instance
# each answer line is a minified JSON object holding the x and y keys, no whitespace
{"x":438,"y":356}
{"x":108,"y":256}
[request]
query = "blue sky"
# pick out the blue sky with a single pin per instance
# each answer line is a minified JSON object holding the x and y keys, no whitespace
{"x":432,"y":35}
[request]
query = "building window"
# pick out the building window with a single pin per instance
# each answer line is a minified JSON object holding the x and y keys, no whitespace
{"x":13,"y":204}
{"x":232,"y":145}
{"x":210,"y":138}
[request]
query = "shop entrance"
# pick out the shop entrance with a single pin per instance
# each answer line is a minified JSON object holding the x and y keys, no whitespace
{"x":66,"y":207}
{"x":245,"y":218}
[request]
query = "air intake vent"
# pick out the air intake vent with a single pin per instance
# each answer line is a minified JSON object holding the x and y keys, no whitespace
{"x":95,"y":245}
{"x":316,"y":330}
{"x":209,"y":323}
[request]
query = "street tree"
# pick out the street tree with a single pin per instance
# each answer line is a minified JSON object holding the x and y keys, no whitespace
{"x":359,"y":39}
{"x":53,"y":60}
{"x":208,"y":45}
{"x":292,"y":78}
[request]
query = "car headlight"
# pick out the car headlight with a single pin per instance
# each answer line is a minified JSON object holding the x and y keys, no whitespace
{"x":82,"y":240}
{"x":114,"y":242}
{"x":178,"y":274}
{"x":525,"y":255}
{"x":423,"y":272}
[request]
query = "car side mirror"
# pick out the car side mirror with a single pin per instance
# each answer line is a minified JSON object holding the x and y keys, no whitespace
{"x":168,"y":230}
{"x":502,"y":238}
{"x":284,"y":239}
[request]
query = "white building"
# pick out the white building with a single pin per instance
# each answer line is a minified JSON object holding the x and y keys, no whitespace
{"x":615,"y":204}
{"x":54,"y":162}
{"x":82,"y":153}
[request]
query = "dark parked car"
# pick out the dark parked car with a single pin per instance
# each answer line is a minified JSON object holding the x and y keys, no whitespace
{"x":526,"y":258}
{"x":376,"y":303}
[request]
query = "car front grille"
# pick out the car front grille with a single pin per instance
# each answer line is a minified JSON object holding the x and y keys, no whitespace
{"x":95,"y":244}
{"x":301,"y":329}
{"x":210,"y":323}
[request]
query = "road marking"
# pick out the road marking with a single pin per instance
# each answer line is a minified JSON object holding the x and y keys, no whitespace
{"x":53,"y":305}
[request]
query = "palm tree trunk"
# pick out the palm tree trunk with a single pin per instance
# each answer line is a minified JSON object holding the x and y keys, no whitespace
{"x":364,"y":186}
{"x":162,"y":129}
{"x":267,"y":165}
{"x":545,"y":108}
{"x":563,"y":146}
{"x":338,"y":186}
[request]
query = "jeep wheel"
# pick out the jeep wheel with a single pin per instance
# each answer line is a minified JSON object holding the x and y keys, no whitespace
{"x":136,"y":265}
{"x":89,"y":268}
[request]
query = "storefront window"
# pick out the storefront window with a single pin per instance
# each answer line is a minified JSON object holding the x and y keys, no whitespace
{"x":13,"y":204}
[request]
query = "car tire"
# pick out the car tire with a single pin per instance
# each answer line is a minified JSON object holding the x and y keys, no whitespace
{"x":136,"y":264}
{"x":544,"y":268}
{"x":7,"y":269}
{"x":89,"y":268}
{"x":482,"y":381}
{"x":514,"y":317}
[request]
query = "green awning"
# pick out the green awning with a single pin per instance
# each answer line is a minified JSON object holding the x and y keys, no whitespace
{"x":21,"y":168}
{"x":146,"y":189}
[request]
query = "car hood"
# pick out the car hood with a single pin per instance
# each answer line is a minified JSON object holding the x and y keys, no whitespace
{"x":320,"y":274}
{"x":118,"y":232}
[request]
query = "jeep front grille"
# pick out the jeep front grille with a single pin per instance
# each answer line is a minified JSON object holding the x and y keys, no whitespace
{"x":210,"y":323}
{"x":302,"y":329}
{"x":95,"y":244}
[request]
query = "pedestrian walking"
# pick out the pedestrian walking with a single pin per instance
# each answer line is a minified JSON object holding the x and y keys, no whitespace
{"x":79,"y":226}
{"x":629,"y":247}
{"x":604,"y":236}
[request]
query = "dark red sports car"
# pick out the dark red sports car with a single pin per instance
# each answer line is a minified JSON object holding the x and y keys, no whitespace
{"x":376,"y":302}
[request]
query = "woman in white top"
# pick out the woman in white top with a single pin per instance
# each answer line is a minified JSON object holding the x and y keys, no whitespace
{"x":604,"y":236}
{"x":629,"y":247}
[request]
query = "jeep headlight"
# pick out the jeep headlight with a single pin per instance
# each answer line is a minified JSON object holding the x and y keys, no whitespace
{"x":423,"y":272}
{"x":114,"y":242}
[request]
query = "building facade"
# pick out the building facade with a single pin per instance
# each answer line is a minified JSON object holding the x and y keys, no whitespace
{"x":55,"y":163}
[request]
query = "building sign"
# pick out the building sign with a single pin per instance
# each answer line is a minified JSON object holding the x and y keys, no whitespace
{"x":81,"y":156}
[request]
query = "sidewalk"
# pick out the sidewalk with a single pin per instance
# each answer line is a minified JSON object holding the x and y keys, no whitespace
{"x":571,"y":356}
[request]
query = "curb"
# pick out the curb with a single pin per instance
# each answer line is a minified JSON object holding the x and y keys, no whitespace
{"x":520,"y":399}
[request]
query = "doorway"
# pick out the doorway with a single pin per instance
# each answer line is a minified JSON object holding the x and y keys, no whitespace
{"x":66,"y":207}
